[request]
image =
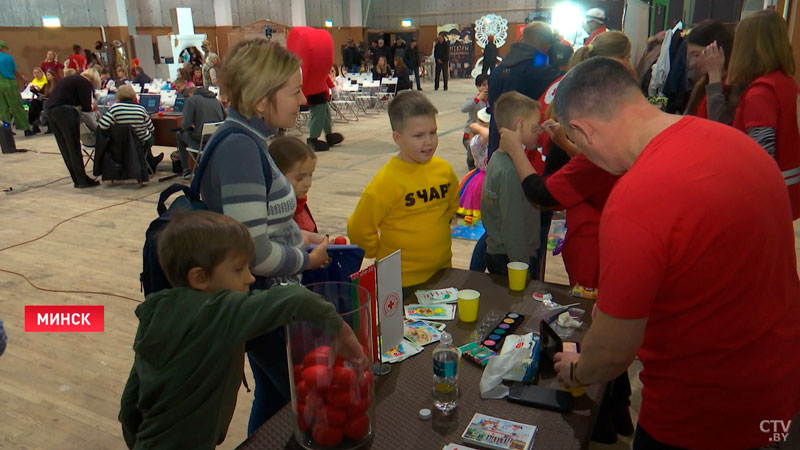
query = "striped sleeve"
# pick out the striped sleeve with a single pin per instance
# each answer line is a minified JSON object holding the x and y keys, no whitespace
{"x":765,"y":137}
{"x":244,"y":198}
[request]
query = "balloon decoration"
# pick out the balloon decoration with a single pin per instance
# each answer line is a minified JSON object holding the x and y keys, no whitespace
{"x":314,"y":47}
{"x":489,"y":25}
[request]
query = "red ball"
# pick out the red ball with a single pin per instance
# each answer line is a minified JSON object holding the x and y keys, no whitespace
{"x":302,"y":421}
{"x":320,"y":355}
{"x":344,"y":377}
{"x":318,"y":377}
{"x":331,"y":415}
{"x":339,"y":397}
{"x":340,"y":240}
{"x":357,"y":428}
{"x":312,"y":403}
{"x":327,"y":436}
{"x":358,"y":408}
{"x":366,"y":384}
{"x":302,"y":391}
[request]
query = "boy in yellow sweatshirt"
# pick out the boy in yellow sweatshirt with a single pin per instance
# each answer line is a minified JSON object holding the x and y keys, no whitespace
{"x":411,"y":200}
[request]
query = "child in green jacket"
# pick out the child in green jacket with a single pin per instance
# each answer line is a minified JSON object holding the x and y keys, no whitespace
{"x":189,"y":346}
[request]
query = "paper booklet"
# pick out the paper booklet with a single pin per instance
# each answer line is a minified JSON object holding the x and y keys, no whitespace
{"x":493,"y":432}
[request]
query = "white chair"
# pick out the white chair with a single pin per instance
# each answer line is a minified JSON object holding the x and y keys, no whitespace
{"x":196,"y":153}
{"x":388,"y":90}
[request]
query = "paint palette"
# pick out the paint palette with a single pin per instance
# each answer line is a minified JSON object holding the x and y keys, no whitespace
{"x":509,"y":323}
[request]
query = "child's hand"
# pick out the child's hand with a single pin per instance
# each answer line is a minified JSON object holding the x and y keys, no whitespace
{"x":348,"y":347}
{"x":318,"y":258}
{"x":310,"y":238}
{"x":511,"y":140}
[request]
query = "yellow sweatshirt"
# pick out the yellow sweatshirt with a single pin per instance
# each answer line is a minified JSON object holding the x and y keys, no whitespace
{"x":408,"y":206}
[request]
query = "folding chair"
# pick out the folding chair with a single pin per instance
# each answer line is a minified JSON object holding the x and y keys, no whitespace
{"x":88,"y":153}
{"x":388,"y":90}
{"x":196,"y":153}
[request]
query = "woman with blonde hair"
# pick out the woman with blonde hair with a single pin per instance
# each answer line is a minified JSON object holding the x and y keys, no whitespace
{"x":262,"y":81}
{"x":51,"y":63}
{"x":761,"y":68}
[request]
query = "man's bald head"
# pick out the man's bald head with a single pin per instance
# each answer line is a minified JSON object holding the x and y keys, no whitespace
{"x":538,"y":35}
{"x":596,"y":87}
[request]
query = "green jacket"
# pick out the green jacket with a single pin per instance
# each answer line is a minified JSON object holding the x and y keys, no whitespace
{"x":189,"y":360}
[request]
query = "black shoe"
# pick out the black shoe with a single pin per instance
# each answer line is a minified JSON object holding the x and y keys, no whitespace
{"x":90,"y":182}
{"x":334,"y":139}
{"x":317,"y":145}
{"x":29,"y":133}
{"x":36,"y":129}
{"x":155,"y":161}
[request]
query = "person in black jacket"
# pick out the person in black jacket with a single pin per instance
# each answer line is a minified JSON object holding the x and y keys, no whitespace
{"x":412,"y":61}
{"x":72,"y":92}
{"x":489,"y":56}
{"x":526,"y":69}
{"x":352,"y":59}
{"x":441,"y":54}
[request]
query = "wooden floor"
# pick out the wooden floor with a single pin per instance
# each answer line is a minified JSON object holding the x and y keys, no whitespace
{"x":61,"y":391}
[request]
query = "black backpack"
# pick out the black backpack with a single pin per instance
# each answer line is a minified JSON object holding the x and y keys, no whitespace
{"x":152,"y":277}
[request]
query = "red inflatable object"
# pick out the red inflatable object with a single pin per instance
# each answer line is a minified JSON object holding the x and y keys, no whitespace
{"x":314,"y":47}
{"x":340,"y":240}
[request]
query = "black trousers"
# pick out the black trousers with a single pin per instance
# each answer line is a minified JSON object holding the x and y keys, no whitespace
{"x":416,"y":76}
{"x":35,"y":112}
{"x":444,"y":70}
{"x":65,"y":123}
{"x":488,"y":67}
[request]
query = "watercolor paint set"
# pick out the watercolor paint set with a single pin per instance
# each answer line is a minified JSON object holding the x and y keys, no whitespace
{"x":507,"y":325}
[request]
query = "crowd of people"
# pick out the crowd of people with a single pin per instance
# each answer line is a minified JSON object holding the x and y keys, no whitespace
{"x":677,"y":222}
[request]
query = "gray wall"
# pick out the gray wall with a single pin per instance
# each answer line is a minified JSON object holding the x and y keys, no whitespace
{"x":318,"y":11}
{"x":386,"y":14}
{"x":249,"y":11}
{"x":73,"y":13}
{"x":156,"y":13}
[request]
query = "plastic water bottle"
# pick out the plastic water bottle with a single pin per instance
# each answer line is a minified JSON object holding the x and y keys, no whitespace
{"x":445,"y":374}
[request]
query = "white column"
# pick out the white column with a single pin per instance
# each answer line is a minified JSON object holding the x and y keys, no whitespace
{"x":356,"y":13}
{"x":117,"y":15}
{"x":298,"y":13}
{"x":223,"y":15}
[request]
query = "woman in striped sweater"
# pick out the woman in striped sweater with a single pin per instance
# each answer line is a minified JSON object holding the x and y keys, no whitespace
{"x":126,"y":112}
{"x":263,"y":84}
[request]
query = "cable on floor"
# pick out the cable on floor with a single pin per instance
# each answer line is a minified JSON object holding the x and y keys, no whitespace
{"x":63,"y":291}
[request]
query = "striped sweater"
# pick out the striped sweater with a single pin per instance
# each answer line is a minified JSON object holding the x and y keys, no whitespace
{"x":124,"y":113}
{"x":234,"y":185}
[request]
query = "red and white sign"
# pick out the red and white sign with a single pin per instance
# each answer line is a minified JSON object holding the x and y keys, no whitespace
{"x":64,"y":318}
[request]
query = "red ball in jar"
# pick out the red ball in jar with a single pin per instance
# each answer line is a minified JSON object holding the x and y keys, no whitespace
{"x":327,"y":436}
{"x":357,"y":428}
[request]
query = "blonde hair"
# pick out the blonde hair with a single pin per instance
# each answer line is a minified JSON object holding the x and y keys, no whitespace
{"x":91,"y":75}
{"x":611,"y":44}
{"x":69,"y":71}
{"x":254,"y":69}
{"x":512,"y":105}
{"x":125,"y":92}
{"x":760,"y":46}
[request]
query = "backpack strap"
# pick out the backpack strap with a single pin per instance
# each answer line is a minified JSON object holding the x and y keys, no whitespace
{"x":224,"y":131}
{"x":167,"y":193}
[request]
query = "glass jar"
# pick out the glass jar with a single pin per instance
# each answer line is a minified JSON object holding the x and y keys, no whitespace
{"x":332,"y":400}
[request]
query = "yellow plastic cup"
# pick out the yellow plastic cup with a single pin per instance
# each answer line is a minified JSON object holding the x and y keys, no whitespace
{"x":576,"y":391}
{"x":468,"y":300}
{"x":517,"y":275}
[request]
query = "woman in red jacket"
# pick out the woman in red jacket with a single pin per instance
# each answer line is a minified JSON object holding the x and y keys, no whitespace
{"x":761,"y":68}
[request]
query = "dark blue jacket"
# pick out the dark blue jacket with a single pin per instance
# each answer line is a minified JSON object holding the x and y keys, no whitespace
{"x":525,"y":70}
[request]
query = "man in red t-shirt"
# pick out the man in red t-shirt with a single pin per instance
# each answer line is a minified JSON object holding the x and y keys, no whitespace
{"x":697,"y":268}
{"x":76,"y":61}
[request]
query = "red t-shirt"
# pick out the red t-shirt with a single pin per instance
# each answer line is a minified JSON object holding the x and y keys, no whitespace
{"x":701,"y":244}
{"x":77,"y":62}
{"x":582,"y":189}
{"x":56,"y":67}
{"x":545,"y":100}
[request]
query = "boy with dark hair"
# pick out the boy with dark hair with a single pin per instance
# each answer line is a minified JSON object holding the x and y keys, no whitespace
{"x":511,"y":222}
{"x":189,"y":346}
{"x":471,"y":107}
{"x":409,"y":203}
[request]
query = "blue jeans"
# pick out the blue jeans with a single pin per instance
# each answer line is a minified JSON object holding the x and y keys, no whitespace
{"x":478,"y":261}
{"x":355,"y":68}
